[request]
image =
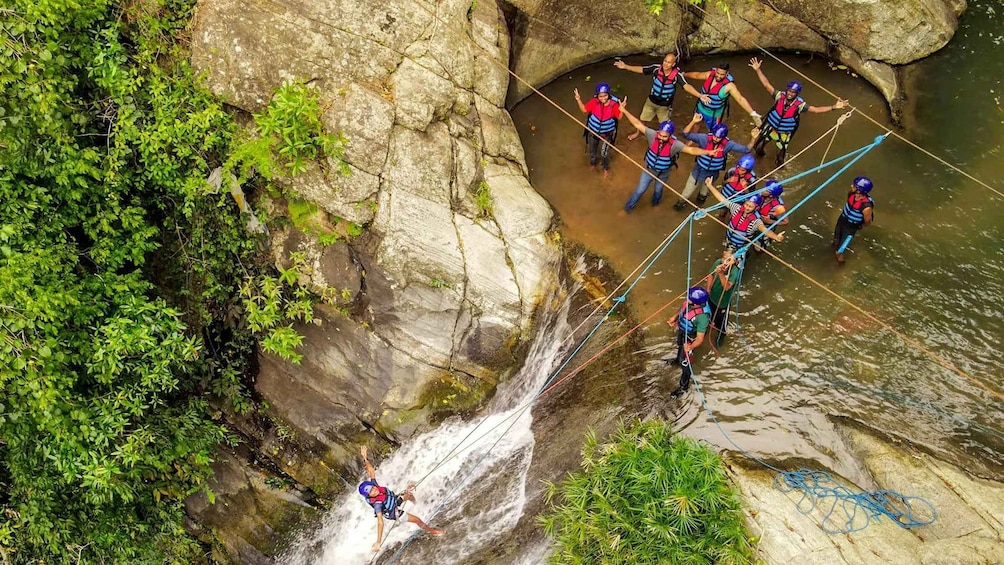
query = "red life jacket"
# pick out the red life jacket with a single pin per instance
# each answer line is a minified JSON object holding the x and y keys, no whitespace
{"x":768,"y":207}
{"x":739,"y":183}
{"x":381,"y":495}
{"x":711,"y":78}
{"x":741,"y":221}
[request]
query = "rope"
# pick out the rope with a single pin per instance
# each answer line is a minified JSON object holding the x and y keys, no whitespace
{"x":818,"y":488}
{"x":854,"y":108}
{"x":909,"y":341}
{"x":840,"y":121}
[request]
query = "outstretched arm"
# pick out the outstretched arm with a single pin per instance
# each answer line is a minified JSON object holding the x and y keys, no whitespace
{"x":755,"y":64}
{"x":626,"y":67}
{"x":369,"y":468}
{"x":734,"y":91}
{"x":778,"y":237}
{"x":840,"y":103}
{"x":696,"y":93}
{"x":578,"y":100}
{"x":695,"y":151}
{"x":698,"y":75}
{"x":714,"y":191}
{"x":376,"y":546}
{"x":634,"y":121}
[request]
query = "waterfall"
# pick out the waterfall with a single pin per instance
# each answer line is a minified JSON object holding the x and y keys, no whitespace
{"x":475,"y":513}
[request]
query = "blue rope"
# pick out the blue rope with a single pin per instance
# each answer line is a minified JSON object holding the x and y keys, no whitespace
{"x":859,"y":154}
{"x":616,"y":302}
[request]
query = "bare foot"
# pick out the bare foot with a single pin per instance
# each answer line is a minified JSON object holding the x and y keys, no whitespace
{"x":840,"y":258}
{"x":435,"y":532}
{"x":633,"y":136}
{"x":622,"y":213}
{"x":606,"y":173}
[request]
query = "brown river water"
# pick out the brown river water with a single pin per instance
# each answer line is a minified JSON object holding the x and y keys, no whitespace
{"x":931,"y":266}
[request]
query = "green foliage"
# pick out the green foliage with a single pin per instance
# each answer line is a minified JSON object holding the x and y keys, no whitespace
{"x":655,"y":7}
{"x":306,"y":216}
{"x":647,"y":497}
{"x":287,"y":136}
{"x":483,"y":200}
{"x":121,"y":276}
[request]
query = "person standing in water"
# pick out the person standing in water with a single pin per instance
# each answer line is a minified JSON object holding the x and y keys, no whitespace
{"x":691,"y":324}
{"x":782,"y":121}
{"x":718,"y":85}
{"x":666,"y":78}
{"x":858,"y":212}
{"x":602,"y":115}
{"x":387,"y":504}
{"x":663,"y":151}
{"x":721,"y":285}
{"x":707,"y":167}
{"x":744,"y":220}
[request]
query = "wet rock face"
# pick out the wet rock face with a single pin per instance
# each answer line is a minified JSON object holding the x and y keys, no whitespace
{"x":439,"y":288}
{"x":872,"y":36}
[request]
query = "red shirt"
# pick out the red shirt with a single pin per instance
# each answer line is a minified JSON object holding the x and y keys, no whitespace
{"x":612,"y":109}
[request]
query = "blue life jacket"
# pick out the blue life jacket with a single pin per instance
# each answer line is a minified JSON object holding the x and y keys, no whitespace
{"x":389,"y":500}
{"x":739,"y":226}
{"x":687,"y":316}
{"x":601,"y":119}
{"x":733,"y":182}
{"x":854,"y":208}
{"x":716,"y":161}
{"x":663,"y":86}
{"x":713,"y":90}
{"x":661,"y":158}
{"x":784,"y":116}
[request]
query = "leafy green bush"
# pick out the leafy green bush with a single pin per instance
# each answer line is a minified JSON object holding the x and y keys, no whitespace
{"x":120,"y":275}
{"x":647,"y":497}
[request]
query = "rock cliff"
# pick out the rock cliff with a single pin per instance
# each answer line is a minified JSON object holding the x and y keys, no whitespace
{"x":873,"y":37}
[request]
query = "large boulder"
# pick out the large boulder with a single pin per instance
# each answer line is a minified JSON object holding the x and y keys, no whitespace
{"x":427,"y":306}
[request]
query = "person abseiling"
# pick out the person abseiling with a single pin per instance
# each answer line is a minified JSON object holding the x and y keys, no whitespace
{"x":666,"y":78}
{"x":708,"y":166}
{"x":738,"y":179}
{"x":772,"y":208}
{"x":719,"y":86}
{"x":602,"y":112}
{"x":387,"y":504}
{"x":858,"y":212}
{"x":744,"y":221}
{"x":782,"y":120}
{"x":663,"y":151}
{"x":692,"y":324}
{"x":721,"y":285}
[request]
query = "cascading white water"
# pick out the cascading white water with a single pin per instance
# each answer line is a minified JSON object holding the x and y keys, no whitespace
{"x":489,"y":503}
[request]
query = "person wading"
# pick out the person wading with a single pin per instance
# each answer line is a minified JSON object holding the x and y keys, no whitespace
{"x":663,"y":151}
{"x":602,"y":113}
{"x":744,"y":221}
{"x":738,"y":179}
{"x":386,"y":504}
{"x":666,"y":78}
{"x":692,"y":323}
{"x":782,"y":120}
{"x":721,"y":284}
{"x":771,"y":210}
{"x":858,"y":212}
{"x":719,"y":86}
{"x":707,"y":167}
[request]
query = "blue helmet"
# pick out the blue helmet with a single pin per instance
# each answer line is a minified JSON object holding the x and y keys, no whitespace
{"x":755,"y":199}
{"x":697,"y":295}
{"x":796,"y":86}
{"x":747,"y":162}
{"x":720,"y":130}
{"x":774,"y":188}
{"x":863,"y":184}
{"x":603,"y":88}
{"x":667,"y":127}
{"x":364,"y":487}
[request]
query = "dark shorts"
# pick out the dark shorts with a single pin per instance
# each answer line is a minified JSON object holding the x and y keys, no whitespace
{"x":844,"y":229}
{"x":394,"y":514}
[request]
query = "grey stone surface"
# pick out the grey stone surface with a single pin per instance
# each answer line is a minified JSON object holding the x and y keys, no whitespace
{"x":968,"y":528}
{"x":721,"y":32}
